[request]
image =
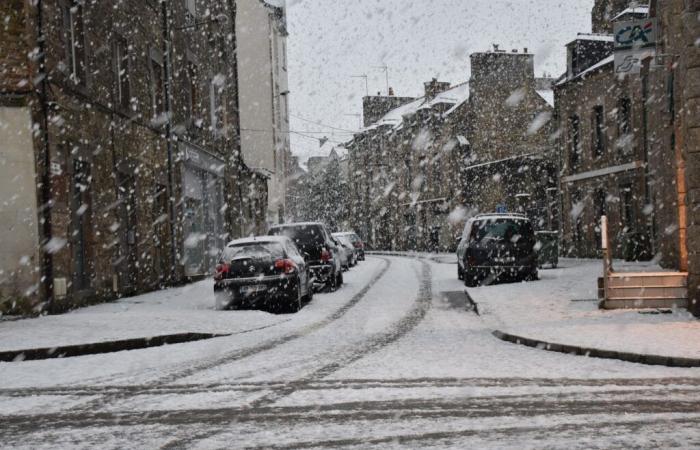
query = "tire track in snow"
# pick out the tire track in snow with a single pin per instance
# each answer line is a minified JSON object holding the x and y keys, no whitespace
{"x":250,"y":351}
{"x":371,"y":345}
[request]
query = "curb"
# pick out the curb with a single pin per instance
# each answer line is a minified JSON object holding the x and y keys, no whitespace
{"x":652,"y":360}
{"x":102,"y":347}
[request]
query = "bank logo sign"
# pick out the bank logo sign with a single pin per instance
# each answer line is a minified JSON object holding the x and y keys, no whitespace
{"x":635,"y":40}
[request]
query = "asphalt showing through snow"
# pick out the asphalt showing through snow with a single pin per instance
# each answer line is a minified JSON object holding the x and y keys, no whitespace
{"x":315,"y":410}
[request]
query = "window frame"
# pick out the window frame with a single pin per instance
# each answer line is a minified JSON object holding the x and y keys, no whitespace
{"x":122,"y":83}
{"x":73,"y":30}
{"x":598,"y":131}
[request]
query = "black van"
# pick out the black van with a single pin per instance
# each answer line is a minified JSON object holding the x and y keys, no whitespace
{"x":497,"y":246}
{"x":319,"y":248}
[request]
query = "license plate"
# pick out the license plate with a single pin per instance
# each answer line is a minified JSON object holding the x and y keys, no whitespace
{"x":254,"y":289}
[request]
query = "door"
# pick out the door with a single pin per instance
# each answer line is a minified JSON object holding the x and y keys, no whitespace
{"x":128,"y":254}
{"x":80,"y":193}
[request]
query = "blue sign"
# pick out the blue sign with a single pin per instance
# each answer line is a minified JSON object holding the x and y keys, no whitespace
{"x":501,"y":209}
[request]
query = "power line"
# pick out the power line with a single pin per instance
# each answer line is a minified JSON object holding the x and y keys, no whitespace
{"x":321,"y":124}
{"x":315,"y":138}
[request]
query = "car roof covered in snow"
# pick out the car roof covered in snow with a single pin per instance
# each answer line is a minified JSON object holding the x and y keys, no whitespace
{"x":495,"y":216}
{"x":258,"y":240}
{"x":296,"y":224}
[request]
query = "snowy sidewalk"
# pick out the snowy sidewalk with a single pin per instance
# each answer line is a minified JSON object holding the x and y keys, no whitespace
{"x":187,"y":309}
{"x":562,"y":308}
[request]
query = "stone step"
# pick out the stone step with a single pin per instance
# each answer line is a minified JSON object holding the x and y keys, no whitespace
{"x":651,"y":279}
{"x":644,"y":303}
{"x":634,"y":292}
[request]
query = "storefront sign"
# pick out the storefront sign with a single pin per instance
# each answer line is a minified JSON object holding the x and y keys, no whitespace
{"x":635,"y":40}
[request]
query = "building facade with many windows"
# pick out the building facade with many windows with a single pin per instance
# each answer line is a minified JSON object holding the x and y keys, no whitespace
{"x":135,"y":139}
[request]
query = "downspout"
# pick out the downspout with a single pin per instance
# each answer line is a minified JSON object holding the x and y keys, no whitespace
{"x":237,"y":124}
{"x":46,"y":281}
{"x":168,"y":136}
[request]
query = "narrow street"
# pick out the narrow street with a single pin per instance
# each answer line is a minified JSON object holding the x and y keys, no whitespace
{"x":391,"y":360}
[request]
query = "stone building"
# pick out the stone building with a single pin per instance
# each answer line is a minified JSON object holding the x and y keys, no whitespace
{"x":135,"y":142}
{"x":264,"y":95}
{"x":474,"y":147}
{"x":603,"y":154}
{"x":512,"y":162}
{"x":673,"y":81}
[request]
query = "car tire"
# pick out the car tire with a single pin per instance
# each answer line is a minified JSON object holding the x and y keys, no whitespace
{"x":340,"y":280}
{"x":460,"y":273}
{"x":471,"y":279}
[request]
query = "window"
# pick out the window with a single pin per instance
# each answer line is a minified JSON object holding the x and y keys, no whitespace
{"x":624,"y":113}
{"x":601,"y":210}
{"x":574,"y":141}
{"x":74,"y":39}
{"x":121,"y":72}
{"x":626,"y":204}
{"x":192,"y":78}
{"x":191,"y":7}
{"x":598,"y":128}
{"x":157,"y":83}
{"x":217,"y":104}
{"x":577,"y":213}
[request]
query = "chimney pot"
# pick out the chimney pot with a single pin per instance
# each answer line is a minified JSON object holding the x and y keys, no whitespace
{"x":391,"y":92}
{"x":525,"y":50}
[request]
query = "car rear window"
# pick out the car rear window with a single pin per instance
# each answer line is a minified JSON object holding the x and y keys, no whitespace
{"x":500,"y":230}
{"x":301,"y":235}
{"x":256,"y":250}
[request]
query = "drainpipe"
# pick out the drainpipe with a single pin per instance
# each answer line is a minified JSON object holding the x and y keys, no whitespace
{"x":46,"y":282}
{"x":168,"y":136}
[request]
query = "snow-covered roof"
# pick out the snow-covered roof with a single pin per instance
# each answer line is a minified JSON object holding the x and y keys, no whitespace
{"x":593,"y":37}
{"x":258,"y":239}
{"x":454,"y":96}
{"x":604,"y":62}
{"x":637,"y":10}
{"x":547,"y":95}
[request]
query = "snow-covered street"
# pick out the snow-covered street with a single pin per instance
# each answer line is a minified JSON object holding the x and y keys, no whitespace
{"x":394,"y":359}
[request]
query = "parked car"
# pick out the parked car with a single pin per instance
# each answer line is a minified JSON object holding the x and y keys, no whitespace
{"x":496,"y":246}
{"x":267,"y":272}
{"x":348,"y":249}
{"x":318,"y":248}
{"x":356,"y":242}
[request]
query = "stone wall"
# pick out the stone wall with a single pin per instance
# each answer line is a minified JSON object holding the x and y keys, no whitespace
{"x":14,"y":64}
{"x":121,"y":163}
{"x":612,"y":182}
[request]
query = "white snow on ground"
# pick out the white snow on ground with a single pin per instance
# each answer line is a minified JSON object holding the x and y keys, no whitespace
{"x":562,"y":308}
{"x":452,"y":342}
{"x":179,"y":310}
{"x":144,"y":365}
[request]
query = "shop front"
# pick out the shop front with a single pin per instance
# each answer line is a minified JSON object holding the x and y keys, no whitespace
{"x":203,"y":212}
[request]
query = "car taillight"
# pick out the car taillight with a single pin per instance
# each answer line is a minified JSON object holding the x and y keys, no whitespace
{"x":326,"y":256}
{"x":285,"y":265}
{"x":358,"y":244}
{"x":471,"y":260}
{"x":221,"y":271}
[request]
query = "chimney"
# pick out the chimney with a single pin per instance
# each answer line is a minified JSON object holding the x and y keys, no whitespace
{"x":525,"y":50}
{"x":435,"y":87}
{"x":391,"y":91}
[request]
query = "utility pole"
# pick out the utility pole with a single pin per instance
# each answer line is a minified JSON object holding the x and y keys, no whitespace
{"x":366,"y":82}
{"x":385,"y":68}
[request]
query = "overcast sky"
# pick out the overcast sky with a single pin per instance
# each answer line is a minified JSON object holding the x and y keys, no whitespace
{"x":332,"y":40}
